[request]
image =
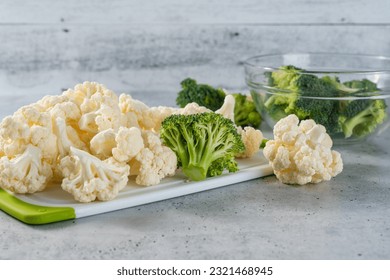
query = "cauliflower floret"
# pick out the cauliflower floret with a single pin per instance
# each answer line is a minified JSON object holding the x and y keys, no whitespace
{"x":252,"y":139}
{"x":102,"y":143}
{"x":89,"y":95}
{"x":154,"y":162}
{"x":140,"y":115}
{"x":301,"y":153}
{"x":129,"y":143}
{"x":49,"y":101}
{"x":88,"y":178}
{"x":26,"y":172}
{"x":15,"y":136}
{"x":122,"y":146}
{"x":28,"y":126}
{"x":191,"y":109}
{"x":227,"y":108}
{"x":148,"y":118}
{"x":67,"y":111}
{"x":44,"y":139}
{"x":99,"y":109}
{"x":67,"y":137}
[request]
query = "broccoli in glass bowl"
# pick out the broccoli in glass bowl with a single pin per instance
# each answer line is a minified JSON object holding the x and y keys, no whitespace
{"x":345,"y":93}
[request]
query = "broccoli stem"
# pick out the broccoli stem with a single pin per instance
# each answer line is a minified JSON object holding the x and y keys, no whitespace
{"x":269,"y":101}
{"x":349,"y":125}
{"x":200,"y":163}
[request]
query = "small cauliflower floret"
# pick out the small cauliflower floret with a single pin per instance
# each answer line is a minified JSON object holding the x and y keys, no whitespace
{"x":154,"y":162}
{"x":67,"y":137}
{"x":252,"y":139}
{"x":109,"y":117}
{"x":46,"y":141}
{"x":148,"y":118}
{"x":301,"y":152}
{"x":15,"y":136}
{"x":67,"y":111}
{"x":102,"y":144}
{"x":88,"y":178}
{"x":28,"y":126}
{"x":192,"y":109}
{"x":26,"y":172}
{"x":99,"y":109}
{"x":89,"y":95}
{"x":227,"y":108}
{"x":123,"y":145}
{"x":49,"y":101}
{"x":129,"y":143}
{"x":31,"y":115}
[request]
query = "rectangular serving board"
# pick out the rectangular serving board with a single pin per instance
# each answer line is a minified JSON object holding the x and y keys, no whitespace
{"x":53,"y":204}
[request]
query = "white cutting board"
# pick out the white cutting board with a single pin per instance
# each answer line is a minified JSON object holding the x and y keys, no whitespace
{"x":132,"y":194}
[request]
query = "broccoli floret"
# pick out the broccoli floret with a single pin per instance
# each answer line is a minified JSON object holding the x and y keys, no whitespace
{"x":245,"y":113}
{"x":342,"y":87}
{"x":361,"y":117}
{"x":362,"y":85}
{"x":205,"y":144}
{"x":310,"y":97}
{"x":285,"y":77}
{"x":203,"y":95}
{"x":303,"y":95}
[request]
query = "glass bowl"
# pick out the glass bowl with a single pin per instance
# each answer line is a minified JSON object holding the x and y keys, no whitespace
{"x":347,"y":93}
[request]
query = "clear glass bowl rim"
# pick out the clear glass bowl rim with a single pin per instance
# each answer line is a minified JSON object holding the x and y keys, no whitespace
{"x":248,"y":62}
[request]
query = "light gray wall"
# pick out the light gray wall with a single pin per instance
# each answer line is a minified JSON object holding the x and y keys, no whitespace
{"x":147,"y":47}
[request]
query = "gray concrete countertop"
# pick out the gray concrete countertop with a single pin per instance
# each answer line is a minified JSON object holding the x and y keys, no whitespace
{"x":345,"y":218}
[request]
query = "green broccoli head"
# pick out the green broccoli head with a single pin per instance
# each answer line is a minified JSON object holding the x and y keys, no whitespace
{"x":245,"y":113}
{"x":307,"y":101}
{"x":285,"y":77}
{"x":361,"y":117}
{"x":205,"y":144}
{"x":280,"y":103}
{"x":203,"y":95}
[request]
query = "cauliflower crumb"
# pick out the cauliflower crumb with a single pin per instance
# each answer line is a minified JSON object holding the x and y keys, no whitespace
{"x":301,"y":152}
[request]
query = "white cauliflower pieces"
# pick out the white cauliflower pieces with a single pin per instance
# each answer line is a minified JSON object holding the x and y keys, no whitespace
{"x":301,"y":152}
{"x":88,"y":138}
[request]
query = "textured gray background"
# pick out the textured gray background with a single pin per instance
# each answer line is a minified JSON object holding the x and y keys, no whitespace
{"x":146,"y":48}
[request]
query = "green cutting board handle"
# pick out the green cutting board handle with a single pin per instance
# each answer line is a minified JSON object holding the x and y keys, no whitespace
{"x":33,"y":214}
